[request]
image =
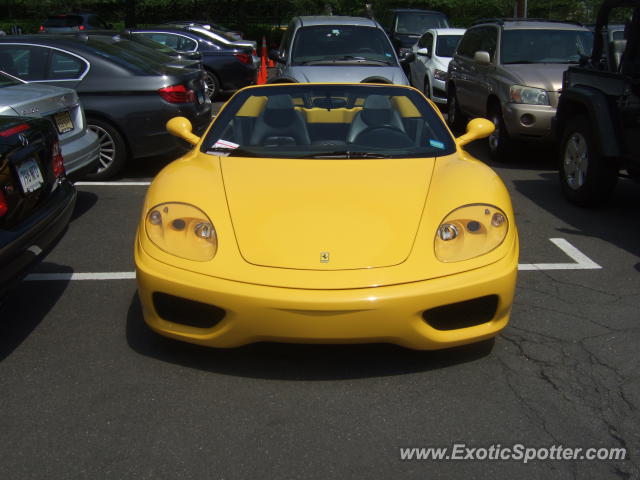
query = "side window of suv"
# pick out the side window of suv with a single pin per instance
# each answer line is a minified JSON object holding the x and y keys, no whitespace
{"x":489,"y":40}
{"x":470,"y":42}
{"x":426,"y":41}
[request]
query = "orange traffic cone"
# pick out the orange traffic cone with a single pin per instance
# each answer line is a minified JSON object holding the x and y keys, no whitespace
{"x":262,"y":73}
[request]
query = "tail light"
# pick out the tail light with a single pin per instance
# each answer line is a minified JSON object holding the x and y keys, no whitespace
{"x":4,"y":206}
{"x":80,"y":27}
{"x":41,"y":28}
{"x":57,"y":160}
{"x":244,"y":58}
{"x":177,"y":94}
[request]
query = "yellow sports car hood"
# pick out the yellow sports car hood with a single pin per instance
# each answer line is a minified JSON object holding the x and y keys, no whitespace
{"x":326,"y":214}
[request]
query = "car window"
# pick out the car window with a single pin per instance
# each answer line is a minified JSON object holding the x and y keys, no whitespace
{"x":172,"y":40}
{"x":488,"y":40}
{"x":470,"y":42}
{"x":329,"y":122}
{"x":415,"y":23}
{"x":63,"y":21}
{"x":545,"y":46}
{"x":135,"y":63}
{"x":446,"y":45}
{"x":65,"y":66}
{"x":326,"y":44}
{"x":7,"y":81}
{"x":27,"y":62}
{"x":617,"y":35}
{"x":426,"y":41}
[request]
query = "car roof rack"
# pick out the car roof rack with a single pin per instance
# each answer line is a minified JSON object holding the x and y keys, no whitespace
{"x":501,"y":21}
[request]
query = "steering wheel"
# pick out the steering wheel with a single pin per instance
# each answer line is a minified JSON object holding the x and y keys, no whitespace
{"x":383,"y":136}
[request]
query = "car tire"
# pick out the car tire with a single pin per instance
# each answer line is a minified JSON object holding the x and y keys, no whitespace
{"x":211,"y":85}
{"x":113,"y":150}
{"x":501,"y":145}
{"x":427,"y":89}
{"x":455,"y":117}
{"x":586,"y":177}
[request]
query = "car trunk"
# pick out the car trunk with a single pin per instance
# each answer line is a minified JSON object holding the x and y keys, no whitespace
{"x":326,"y":214}
{"x":26,"y":170}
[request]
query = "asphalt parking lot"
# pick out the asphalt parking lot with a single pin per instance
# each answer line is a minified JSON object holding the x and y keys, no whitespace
{"x":89,"y":391}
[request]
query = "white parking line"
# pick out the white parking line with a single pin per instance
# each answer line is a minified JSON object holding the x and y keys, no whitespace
{"x":115,"y":184}
{"x":581,"y":262}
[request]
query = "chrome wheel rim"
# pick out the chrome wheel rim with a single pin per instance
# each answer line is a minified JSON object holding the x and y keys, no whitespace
{"x":576,"y":160}
{"x":209,"y":85}
{"x":107,"y":147}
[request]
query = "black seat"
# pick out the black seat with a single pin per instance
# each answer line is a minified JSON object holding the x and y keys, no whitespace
{"x":280,"y":124}
{"x":376,"y":112}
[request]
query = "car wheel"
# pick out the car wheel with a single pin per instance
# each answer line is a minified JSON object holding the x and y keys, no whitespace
{"x":113,"y":151}
{"x":586,"y":178}
{"x":427,"y":88}
{"x":455,"y":118}
{"x":211,"y":85}
{"x":500,"y":144}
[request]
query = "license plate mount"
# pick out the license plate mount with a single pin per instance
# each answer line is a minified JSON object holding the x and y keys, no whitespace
{"x":30,"y":175}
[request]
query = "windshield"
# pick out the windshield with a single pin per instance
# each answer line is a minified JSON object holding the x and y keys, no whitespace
{"x":446,"y":45}
{"x":63,"y":21}
{"x":415,"y":23}
{"x":545,"y":46}
{"x":146,"y":41}
{"x":328,"y":122}
{"x":328,"y":44}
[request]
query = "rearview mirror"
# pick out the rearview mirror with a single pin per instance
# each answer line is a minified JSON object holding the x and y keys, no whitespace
{"x":407,"y":58}
{"x":481,"y":57}
{"x":181,"y":127}
{"x":424,"y":51}
{"x":476,"y":129}
{"x":276,"y":56}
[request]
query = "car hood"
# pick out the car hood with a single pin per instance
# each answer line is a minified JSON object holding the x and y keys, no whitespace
{"x":326,"y":214}
{"x":547,"y":76}
{"x":346,"y":74}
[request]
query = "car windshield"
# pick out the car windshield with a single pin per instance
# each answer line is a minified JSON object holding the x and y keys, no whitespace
{"x":328,"y":122}
{"x":133,"y":47}
{"x":146,"y":41}
{"x":447,"y":44}
{"x":129,"y":59}
{"x":331,"y":44}
{"x":63,"y":21}
{"x":545,"y":46}
{"x":416,"y":23}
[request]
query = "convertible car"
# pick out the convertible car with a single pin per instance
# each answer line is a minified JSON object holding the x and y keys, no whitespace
{"x":327,"y":213}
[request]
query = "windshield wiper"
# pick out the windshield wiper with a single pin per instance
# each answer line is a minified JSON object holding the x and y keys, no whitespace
{"x":235,"y":152}
{"x":345,"y":154}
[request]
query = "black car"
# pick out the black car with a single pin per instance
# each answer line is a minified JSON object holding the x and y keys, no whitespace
{"x":226,"y":68}
{"x":406,"y":25}
{"x":73,"y":22}
{"x":36,"y":201}
{"x":127,"y":97}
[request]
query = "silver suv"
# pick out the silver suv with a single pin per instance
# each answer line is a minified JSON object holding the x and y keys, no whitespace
{"x":337,"y":49}
{"x":511,"y":72}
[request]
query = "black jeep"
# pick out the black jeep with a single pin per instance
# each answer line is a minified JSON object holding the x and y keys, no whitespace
{"x":598,"y":115}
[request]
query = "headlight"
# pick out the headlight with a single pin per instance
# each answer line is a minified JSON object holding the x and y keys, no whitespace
{"x":182,"y":230}
{"x":439,"y":74}
{"x":469,"y":232}
{"x":529,"y":95}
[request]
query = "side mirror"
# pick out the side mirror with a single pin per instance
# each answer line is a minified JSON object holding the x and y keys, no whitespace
{"x":476,"y":129}
{"x":407,"y":58}
{"x":181,"y":127}
{"x":276,"y":56}
{"x":481,"y":57}
{"x":424,"y":52}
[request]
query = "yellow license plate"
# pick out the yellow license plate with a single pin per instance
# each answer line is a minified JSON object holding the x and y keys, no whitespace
{"x":63,"y":122}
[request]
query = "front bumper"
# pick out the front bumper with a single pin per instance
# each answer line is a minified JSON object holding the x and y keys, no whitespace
{"x":540,"y":127}
{"x":390,"y":314}
{"x":27,"y":244}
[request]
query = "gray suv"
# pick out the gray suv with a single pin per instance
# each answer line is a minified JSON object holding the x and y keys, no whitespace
{"x":510,"y":71}
{"x":337,"y":49}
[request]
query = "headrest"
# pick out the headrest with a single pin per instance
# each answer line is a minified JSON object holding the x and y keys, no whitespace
{"x":377,"y":110}
{"x":279,"y":111}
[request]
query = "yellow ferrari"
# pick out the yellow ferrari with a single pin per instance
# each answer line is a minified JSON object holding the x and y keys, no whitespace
{"x":327,"y":213}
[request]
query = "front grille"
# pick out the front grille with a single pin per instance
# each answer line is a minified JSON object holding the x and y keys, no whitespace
{"x":187,"y":312}
{"x":462,"y":314}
